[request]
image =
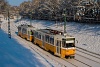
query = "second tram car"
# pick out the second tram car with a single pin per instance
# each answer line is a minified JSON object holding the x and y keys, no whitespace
{"x":26,"y":32}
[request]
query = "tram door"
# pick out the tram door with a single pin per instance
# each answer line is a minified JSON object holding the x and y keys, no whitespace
{"x":28,"y":35}
{"x":43,"y":40}
{"x":58,"y":46}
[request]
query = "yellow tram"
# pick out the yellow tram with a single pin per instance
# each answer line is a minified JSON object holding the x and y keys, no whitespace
{"x":50,"y":40}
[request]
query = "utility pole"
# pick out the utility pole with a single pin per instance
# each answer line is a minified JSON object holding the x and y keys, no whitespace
{"x":65,"y":24}
{"x":30,"y":18}
{"x":9,"y":32}
{"x":30,"y":4}
{"x":64,"y":20}
{"x":0,"y":25}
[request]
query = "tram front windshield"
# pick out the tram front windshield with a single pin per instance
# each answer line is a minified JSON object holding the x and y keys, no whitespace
{"x":67,"y":45}
{"x":70,"y":45}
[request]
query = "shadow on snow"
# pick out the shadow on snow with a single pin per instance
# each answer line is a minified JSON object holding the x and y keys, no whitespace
{"x":13,"y":54}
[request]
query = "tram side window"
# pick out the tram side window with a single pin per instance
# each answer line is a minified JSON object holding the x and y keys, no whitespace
{"x":39,"y":36}
{"x":24,"y":30}
{"x":47,"y":38}
{"x":52,"y":40}
{"x":63,"y":43}
{"x":28,"y":32}
{"x":58,"y":43}
{"x":19,"y":28}
{"x":36,"y":34}
{"x":33,"y":33}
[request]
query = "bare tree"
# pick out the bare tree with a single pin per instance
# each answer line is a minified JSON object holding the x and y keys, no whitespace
{"x":3,"y":5}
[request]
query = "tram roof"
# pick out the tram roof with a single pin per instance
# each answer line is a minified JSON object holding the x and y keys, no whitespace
{"x":24,"y":25}
{"x":48,"y":32}
{"x":51,"y":31}
{"x":62,"y":36}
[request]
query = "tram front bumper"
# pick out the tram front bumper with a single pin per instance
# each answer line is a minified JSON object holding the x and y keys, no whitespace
{"x":70,"y":52}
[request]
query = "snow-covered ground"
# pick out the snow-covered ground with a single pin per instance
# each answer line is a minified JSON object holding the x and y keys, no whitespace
{"x":87,"y":35}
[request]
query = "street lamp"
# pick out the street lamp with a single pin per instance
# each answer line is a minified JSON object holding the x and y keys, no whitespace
{"x":9,"y":32}
{"x":31,"y":17}
{"x":64,"y":14}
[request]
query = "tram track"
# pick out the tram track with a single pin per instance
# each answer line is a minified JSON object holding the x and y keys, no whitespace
{"x":90,"y":54}
{"x":77,"y":63}
{"x":83,"y":63}
{"x":90,"y":58}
